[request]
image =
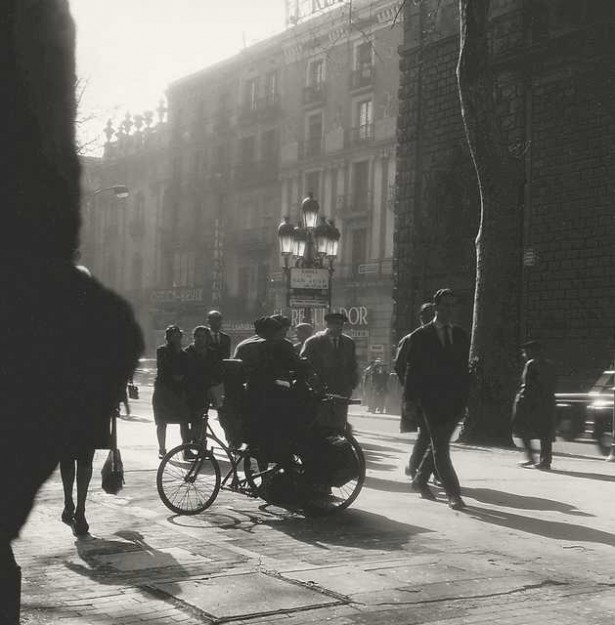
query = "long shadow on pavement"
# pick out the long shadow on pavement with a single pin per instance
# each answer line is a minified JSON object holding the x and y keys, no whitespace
{"x":540,"y":527}
{"x":589,"y":476}
{"x":391,"y":486}
{"x":522,"y":502}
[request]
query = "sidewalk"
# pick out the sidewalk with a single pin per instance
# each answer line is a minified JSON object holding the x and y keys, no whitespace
{"x":532,"y":547}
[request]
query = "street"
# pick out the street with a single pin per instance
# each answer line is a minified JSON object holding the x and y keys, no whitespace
{"x":532,"y":546}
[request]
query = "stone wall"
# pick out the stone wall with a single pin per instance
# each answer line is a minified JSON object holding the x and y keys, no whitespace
{"x":555,"y":89}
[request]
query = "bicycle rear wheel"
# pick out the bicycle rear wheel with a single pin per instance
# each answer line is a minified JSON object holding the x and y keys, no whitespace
{"x":188,"y":486}
{"x":320,"y":500}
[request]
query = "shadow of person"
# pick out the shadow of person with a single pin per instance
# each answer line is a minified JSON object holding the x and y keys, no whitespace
{"x":391,"y":486}
{"x":522,"y":502}
{"x":588,"y":476}
{"x":379,"y":457}
{"x":120,"y":561}
{"x":555,"y":530}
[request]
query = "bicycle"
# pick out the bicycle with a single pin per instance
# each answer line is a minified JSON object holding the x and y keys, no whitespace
{"x":189,"y":477}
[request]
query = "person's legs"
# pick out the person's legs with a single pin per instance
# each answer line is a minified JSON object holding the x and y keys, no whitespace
{"x":10,"y":584}
{"x":527,"y":449}
{"x":84,"y":475}
{"x":161,"y":435}
{"x":546,"y":453}
{"x":67,"y":471}
{"x":186,"y":434}
{"x":419,"y":449}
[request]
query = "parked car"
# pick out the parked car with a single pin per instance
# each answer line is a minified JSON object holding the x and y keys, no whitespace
{"x":593,"y":410}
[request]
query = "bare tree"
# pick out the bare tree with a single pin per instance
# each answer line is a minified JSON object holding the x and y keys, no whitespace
{"x":495,"y":329}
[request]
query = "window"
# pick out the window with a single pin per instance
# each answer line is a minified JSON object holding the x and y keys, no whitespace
{"x":314,"y":135}
{"x":271,"y":87}
{"x":316,"y":73}
{"x":363,"y":55}
{"x":251,"y":94}
{"x":358,"y":249}
{"x":360,"y":185}
{"x":312,"y":183}
{"x":183,"y":269}
{"x":364,"y":118}
{"x":269,"y":147}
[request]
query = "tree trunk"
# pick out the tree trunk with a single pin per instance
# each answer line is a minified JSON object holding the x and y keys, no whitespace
{"x":495,"y":329}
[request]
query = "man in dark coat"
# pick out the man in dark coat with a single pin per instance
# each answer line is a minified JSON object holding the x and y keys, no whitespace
{"x":218,"y":348}
{"x":332,"y":355}
{"x":411,"y":411}
{"x":437,"y":376}
{"x":534,"y":407}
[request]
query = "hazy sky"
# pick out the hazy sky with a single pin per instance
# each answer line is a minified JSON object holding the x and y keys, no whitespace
{"x":128,"y":51}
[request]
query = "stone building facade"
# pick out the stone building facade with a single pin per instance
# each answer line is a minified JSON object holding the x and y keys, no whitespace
{"x":311,"y":109}
{"x":555,"y":94}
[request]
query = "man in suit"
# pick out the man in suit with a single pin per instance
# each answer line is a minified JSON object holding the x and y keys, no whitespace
{"x":437,"y":377}
{"x":410,"y":408}
{"x":332,"y":354}
{"x":218,"y":349}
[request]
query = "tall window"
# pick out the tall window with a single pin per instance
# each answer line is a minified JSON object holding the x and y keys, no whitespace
{"x":314,"y":134}
{"x":358,"y":248}
{"x":364,"y":120}
{"x":271,"y":87}
{"x":363,"y":55}
{"x":183,"y":269}
{"x":316,"y":73}
{"x":360,"y":185}
{"x":251,"y":94}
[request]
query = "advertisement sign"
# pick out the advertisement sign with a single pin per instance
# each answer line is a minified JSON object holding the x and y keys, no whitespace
{"x":309,"y":288}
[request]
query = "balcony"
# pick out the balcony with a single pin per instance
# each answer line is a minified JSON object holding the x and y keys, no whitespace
{"x":260,"y":109}
{"x":253,"y":173}
{"x":354,"y":204}
{"x":310,"y":148}
{"x":360,"y":135}
{"x":256,"y":239}
{"x":362,"y":77}
{"x":314,"y":94}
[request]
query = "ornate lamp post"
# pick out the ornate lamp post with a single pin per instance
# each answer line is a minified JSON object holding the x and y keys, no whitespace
{"x":312,"y":245}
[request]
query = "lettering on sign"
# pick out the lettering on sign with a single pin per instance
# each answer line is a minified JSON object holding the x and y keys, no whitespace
{"x":299,"y":10}
{"x":357,"y":316}
{"x":368,"y":268}
{"x":169,"y":296}
{"x":309,"y":278}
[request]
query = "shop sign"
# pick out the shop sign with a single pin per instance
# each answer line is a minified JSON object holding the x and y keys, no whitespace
{"x":172,"y":296}
{"x":368,"y":268}
{"x":309,"y":288}
{"x":357,"y":316}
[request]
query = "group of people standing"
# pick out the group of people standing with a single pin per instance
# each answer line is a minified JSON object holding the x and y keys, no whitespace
{"x":189,"y":381}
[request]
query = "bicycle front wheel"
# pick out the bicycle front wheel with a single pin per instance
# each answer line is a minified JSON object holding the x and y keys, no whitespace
{"x":188,"y":479}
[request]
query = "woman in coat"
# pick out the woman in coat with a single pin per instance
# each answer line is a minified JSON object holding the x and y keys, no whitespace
{"x":169,"y":399}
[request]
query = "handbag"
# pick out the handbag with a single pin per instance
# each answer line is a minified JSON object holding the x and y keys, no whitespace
{"x":112,"y":472}
{"x":133,"y":391}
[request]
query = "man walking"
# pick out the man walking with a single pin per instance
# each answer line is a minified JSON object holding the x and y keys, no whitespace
{"x":303,"y":332}
{"x":437,"y":375}
{"x":410,"y":410}
{"x":333,"y":357}
{"x":219,"y":348}
{"x":534,"y":408}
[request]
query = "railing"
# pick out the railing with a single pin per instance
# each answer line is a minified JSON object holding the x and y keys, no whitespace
{"x":360,"y":135}
{"x":260,"y":108}
{"x":314,"y":94}
{"x":310,"y":147}
{"x":256,"y":172}
{"x":362,"y":76}
{"x":354,"y":203}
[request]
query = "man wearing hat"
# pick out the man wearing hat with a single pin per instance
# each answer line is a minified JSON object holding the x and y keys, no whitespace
{"x":303,"y":332}
{"x":534,"y":407}
{"x":333,"y":357}
{"x":437,"y":377}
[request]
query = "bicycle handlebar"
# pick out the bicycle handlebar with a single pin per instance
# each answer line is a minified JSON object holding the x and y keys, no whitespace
{"x":341,"y":399}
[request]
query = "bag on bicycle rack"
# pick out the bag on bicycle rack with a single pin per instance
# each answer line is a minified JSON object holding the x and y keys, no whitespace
{"x":281,"y":488}
{"x":338,"y":461}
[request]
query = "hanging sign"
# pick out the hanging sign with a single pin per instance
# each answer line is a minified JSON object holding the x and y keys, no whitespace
{"x":309,"y":288}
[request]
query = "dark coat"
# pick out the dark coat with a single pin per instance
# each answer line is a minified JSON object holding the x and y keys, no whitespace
{"x":437,"y":378}
{"x":169,"y":400}
{"x":336,"y":368}
{"x":198,"y":378}
{"x":216,"y":354}
{"x":534,"y":407}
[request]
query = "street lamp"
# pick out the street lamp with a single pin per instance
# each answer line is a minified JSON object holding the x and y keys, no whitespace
{"x":313,"y":244}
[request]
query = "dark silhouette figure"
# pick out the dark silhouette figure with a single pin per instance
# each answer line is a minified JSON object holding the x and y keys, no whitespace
{"x":63,"y":333}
